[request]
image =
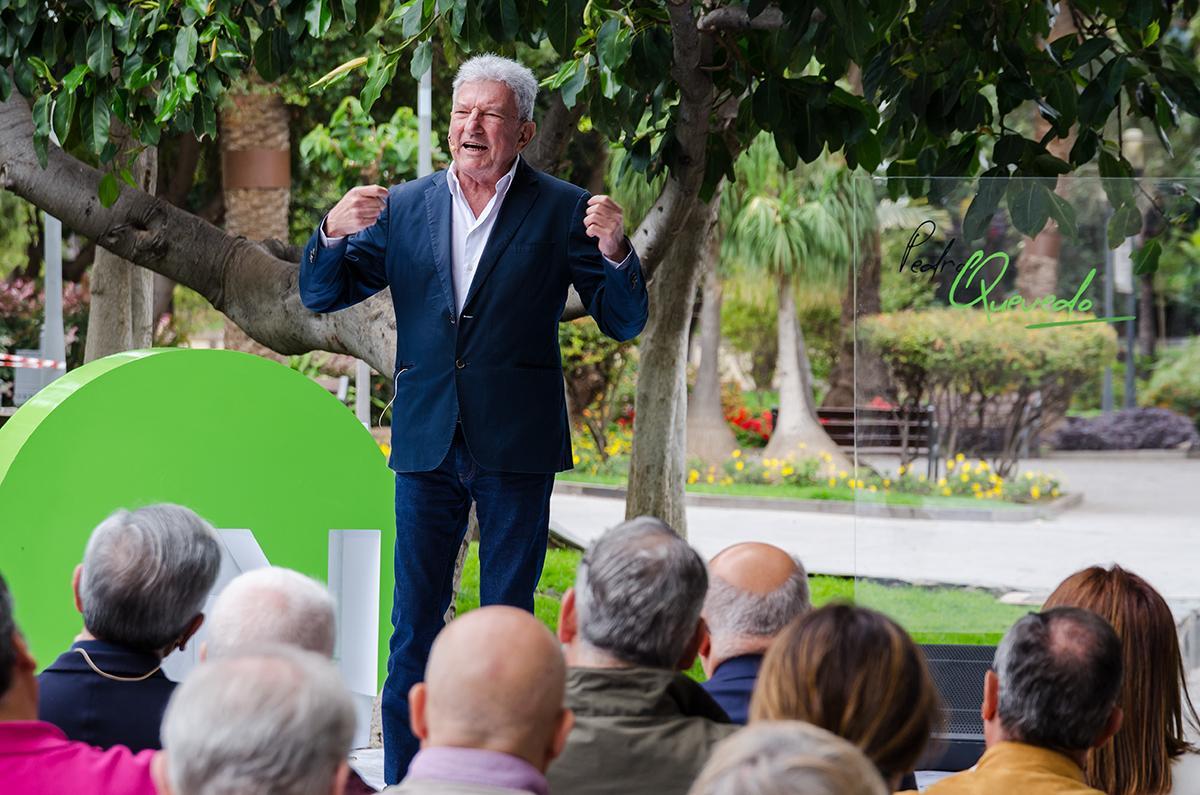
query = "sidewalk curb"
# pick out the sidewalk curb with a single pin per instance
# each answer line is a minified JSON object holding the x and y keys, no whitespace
{"x":1021,"y":513}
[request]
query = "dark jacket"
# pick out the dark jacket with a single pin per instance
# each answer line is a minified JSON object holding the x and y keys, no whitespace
{"x":497,"y":368}
{"x":732,"y":684}
{"x":100,"y":711}
{"x":637,"y":730}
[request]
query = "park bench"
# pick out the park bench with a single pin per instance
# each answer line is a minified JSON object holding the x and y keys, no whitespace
{"x":911,"y":430}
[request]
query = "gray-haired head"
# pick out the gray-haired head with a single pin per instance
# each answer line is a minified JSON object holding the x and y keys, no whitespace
{"x":638,"y":593}
{"x":1060,"y":675}
{"x":146,"y":574}
{"x":8,"y":632}
{"x":272,"y":605}
{"x":787,"y":758}
{"x":276,"y":720}
{"x":518,"y":78}
{"x":754,"y":591}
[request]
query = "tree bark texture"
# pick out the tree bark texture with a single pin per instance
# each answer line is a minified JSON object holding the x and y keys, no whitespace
{"x":121,"y":316}
{"x":797,"y":432}
{"x":709,"y":437}
{"x":658,"y":464}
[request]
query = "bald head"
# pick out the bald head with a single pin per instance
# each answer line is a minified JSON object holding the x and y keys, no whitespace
{"x":495,"y":680}
{"x":754,"y":591}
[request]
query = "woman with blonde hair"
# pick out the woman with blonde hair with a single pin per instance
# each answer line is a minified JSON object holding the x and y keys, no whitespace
{"x":1150,"y":754}
{"x":858,"y":674}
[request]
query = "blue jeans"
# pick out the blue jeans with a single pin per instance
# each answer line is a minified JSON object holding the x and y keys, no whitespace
{"x":431,"y":521}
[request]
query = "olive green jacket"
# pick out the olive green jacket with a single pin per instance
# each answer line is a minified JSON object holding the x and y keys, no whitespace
{"x":637,"y":730}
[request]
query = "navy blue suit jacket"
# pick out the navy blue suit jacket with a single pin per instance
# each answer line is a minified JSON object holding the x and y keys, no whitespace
{"x":732,"y":684}
{"x":497,"y":367}
{"x":100,"y":711}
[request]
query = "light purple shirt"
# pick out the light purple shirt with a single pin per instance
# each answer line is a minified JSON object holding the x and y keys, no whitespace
{"x":477,"y":766}
{"x":36,"y":758}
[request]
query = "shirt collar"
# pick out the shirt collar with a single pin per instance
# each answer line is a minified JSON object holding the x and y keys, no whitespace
{"x":477,"y":766}
{"x":502,"y":184}
{"x":1022,"y":756}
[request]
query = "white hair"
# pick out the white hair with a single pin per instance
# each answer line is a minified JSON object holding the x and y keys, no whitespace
{"x":741,"y":621}
{"x":274,"y":720}
{"x":518,"y":78}
{"x":272,"y":605}
{"x":146,"y":574}
{"x":787,"y":758}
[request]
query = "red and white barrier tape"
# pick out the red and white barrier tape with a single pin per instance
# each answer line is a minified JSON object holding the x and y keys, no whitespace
{"x":32,"y":362}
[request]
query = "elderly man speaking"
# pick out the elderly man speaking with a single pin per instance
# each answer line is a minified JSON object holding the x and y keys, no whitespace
{"x":479,"y":259}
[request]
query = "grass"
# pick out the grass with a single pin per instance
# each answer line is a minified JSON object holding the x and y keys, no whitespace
{"x":793,"y":492}
{"x":930,"y":614}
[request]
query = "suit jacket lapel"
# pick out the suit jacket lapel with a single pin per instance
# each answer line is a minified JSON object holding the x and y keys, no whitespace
{"x":520,"y":198}
{"x":437,"y":208}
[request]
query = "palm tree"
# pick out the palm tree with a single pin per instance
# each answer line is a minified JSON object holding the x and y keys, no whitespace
{"x":794,"y":225}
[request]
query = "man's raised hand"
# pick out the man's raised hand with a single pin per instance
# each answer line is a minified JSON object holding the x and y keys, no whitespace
{"x":357,"y":210}
{"x":604,"y":220}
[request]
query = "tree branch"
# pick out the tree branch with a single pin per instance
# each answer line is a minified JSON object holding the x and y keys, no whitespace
{"x":237,"y":276}
{"x":738,"y":20}
{"x":546,"y":151}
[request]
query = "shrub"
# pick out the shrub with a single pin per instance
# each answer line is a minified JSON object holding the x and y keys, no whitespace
{"x":1175,"y":383}
{"x":988,"y":371}
{"x":1127,"y":429}
{"x":22,"y":310}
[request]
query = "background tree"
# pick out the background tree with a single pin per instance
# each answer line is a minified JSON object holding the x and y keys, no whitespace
{"x":683,"y":86}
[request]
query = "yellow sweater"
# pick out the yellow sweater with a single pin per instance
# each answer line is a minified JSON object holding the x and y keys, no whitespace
{"x":1012,"y":768}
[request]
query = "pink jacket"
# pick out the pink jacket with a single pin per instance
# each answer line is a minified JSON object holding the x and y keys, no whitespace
{"x":36,"y":758}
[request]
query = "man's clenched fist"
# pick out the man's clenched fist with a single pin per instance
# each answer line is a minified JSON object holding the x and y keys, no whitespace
{"x":604,"y":221}
{"x":357,"y":210}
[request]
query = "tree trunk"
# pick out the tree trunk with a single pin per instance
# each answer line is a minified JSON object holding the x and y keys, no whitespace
{"x":862,"y":368}
{"x":1147,"y":337}
{"x":121,"y":316}
{"x":255,"y":170}
{"x":797,"y":432}
{"x":658,"y":462}
{"x":709,"y":437}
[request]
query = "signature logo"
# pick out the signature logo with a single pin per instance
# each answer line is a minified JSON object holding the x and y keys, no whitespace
{"x":974,"y":286}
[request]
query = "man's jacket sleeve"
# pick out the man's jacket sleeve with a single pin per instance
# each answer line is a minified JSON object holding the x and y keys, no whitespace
{"x":351,"y":270}
{"x":615,"y":297}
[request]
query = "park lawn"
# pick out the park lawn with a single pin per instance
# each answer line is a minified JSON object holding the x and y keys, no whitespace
{"x":792,"y":492}
{"x":930,"y":614}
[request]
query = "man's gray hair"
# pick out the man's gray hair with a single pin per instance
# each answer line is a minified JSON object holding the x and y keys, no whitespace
{"x":275,"y":719}
{"x":787,"y":758}
{"x":1060,"y":676}
{"x":735,"y":616}
{"x":638,"y":593}
{"x":272,"y":605}
{"x":146,"y":574}
{"x":518,"y":78}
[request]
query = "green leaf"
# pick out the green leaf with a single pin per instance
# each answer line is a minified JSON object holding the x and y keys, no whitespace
{"x":1063,"y":212}
{"x":1047,"y":164}
{"x":1088,"y":51}
{"x":127,"y":177}
{"x":94,"y":118}
{"x":350,"y":11}
{"x":868,"y":152}
{"x":271,"y":54}
{"x":571,"y":88}
{"x":1061,"y":96}
{"x":41,"y":127}
{"x":1028,"y":206}
{"x":769,"y":104}
{"x":64,"y":110}
{"x":5,"y":85}
{"x":75,"y":77}
{"x":109,"y":190}
{"x":411,"y":24}
{"x":992,"y":184}
{"x":1125,"y":222}
{"x":100,"y":50}
{"x":1149,"y":36}
{"x":563,"y":18}
{"x":1116,"y":177}
{"x":1008,"y":149}
{"x":318,"y":15}
{"x":42,"y":70}
{"x":375,"y":83}
{"x":422,"y":59}
{"x":510,"y":19}
{"x":185,"y":50}
{"x":1084,"y":148}
{"x":1145,"y":259}
{"x":613,"y":44}
{"x":199,"y":6}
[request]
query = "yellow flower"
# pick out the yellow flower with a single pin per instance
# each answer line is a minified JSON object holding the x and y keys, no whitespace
{"x":728,"y":480}
{"x":901,"y":470}
{"x":964,"y":477}
{"x":941,"y":481}
{"x":886,"y":483}
{"x":1029,"y":476}
{"x":787,"y":471}
{"x":842,"y":474}
{"x":949,"y":463}
{"x":871,"y":488}
{"x":710,"y":478}
{"x":387,"y":450}
{"x":966,"y":467}
{"x":920,"y":478}
{"x":575,"y":458}
{"x":803,"y":446}
{"x":736,"y":454}
{"x":833,"y":481}
{"x":1054,"y":492}
{"x":739,"y":466}
{"x":861,"y":484}
{"x":851,"y":483}
{"x":693,"y":476}
{"x":976,"y":487}
{"x":982,"y":465}
{"x":945,"y":492}
{"x":979,"y":495}
{"x":959,"y":458}
{"x":1035,"y":492}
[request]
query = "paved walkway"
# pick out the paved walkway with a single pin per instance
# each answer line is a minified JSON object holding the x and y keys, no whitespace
{"x":1142,"y":512}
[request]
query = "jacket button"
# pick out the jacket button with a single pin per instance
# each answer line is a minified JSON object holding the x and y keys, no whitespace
{"x":460,"y":364}
{"x":452,"y":321}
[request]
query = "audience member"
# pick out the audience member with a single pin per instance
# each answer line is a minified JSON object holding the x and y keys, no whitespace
{"x":36,"y":758}
{"x":1050,"y":698}
{"x":787,"y":758}
{"x":490,"y":713}
{"x":856,"y":673}
{"x":271,"y":605}
{"x":1150,"y":754}
{"x":754,"y":590}
{"x":630,"y":625}
{"x":141,"y":588}
{"x":275,"y":720}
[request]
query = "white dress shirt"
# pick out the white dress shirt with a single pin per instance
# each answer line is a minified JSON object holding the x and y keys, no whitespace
{"x":468,"y":234}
